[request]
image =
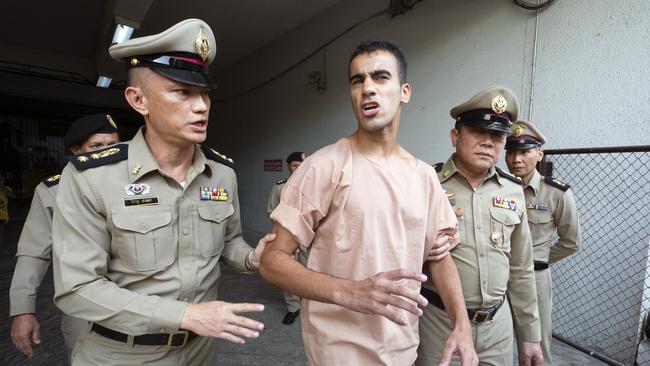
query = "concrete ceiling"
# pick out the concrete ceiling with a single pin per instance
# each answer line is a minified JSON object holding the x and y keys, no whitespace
{"x":81,"y":30}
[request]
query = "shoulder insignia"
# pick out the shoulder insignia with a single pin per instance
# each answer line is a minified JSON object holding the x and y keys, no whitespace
{"x":556,"y":183}
{"x":438,"y":167}
{"x":52,"y":181}
{"x":509,"y":176}
{"x":281,"y":181}
{"x":213,"y":154}
{"x":109,"y":155}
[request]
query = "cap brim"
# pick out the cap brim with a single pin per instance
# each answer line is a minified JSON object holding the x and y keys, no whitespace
{"x":185,"y":76}
{"x":516,"y":146}
{"x":491,"y":126}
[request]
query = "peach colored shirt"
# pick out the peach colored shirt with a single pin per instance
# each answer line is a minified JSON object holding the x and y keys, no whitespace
{"x":359,"y":217}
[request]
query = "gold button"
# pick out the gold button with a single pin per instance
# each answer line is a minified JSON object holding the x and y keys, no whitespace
{"x":496,"y":238}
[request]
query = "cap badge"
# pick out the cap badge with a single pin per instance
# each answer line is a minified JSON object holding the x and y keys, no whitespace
{"x":517,"y":131}
{"x":135,"y":62}
{"x":137,"y":189}
{"x":202,"y":45}
{"x":214,"y":194}
{"x":499,"y":104}
{"x":110,"y":121}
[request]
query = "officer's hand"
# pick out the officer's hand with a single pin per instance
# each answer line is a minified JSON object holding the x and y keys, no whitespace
{"x":530,"y":354}
{"x":374,"y":294}
{"x":220,"y":319}
{"x":259,"y":249}
{"x":443,"y":246}
{"x":24,"y":331}
{"x":460,"y":343}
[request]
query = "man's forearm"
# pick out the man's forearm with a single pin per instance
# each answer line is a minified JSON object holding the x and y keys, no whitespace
{"x":280,"y":269}
{"x":447,"y":282}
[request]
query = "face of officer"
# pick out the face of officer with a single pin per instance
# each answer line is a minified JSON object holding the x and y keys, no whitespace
{"x":96,"y":142}
{"x":477,"y":150}
{"x":174,"y":112}
{"x":522,"y":162}
{"x":376,"y":91}
{"x":293,"y":166}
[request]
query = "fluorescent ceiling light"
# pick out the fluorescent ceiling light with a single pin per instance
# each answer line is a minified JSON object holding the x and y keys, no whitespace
{"x":122,"y":33}
{"x":103,"y":82}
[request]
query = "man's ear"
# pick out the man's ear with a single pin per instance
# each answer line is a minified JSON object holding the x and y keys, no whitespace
{"x":540,"y":155}
{"x":453,"y":134}
{"x":75,"y":149}
{"x":406,"y":93}
{"x":137,"y":100}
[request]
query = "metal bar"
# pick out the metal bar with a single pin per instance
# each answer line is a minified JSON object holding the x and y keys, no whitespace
{"x":598,"y":150}
{"x":605,"y":359}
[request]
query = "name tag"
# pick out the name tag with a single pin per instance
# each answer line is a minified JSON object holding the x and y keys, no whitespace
{"x":139,"y":201}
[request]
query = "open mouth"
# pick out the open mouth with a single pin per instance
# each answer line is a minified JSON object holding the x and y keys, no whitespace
{"x":370,"y":109}
{"x":199,"y":125}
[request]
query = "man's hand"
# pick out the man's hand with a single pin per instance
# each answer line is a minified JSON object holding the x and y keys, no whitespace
{"x":372,"y":295}
{"x":256,"y":255}
{"x":530,"y":354}
{"x":219,"y":319}
{"x":459,"y":343}
{"x":25,"y":330}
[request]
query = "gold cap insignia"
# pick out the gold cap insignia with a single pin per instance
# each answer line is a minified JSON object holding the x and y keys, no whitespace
{"x":202,"y":45}
{"x":110,"y":121}
{"x":517,"y":131}
{"x":499,"y":104}
{"x":135,"y":62}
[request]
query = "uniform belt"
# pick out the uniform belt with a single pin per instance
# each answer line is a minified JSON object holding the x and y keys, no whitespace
{"x":475,"y":315}
{"x":173,"y":340}
{"x":540,"y":266}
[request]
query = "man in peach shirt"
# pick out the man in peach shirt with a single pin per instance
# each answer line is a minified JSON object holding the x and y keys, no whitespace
{"x":370,"y":213}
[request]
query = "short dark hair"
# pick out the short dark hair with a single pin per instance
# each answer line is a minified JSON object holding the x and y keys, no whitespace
{"x":376,"y":45}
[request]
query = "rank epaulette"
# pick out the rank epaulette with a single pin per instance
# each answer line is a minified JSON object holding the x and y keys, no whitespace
{"x":556,"y":183}
{"x":108,"y":155}
{"x":52,"y":181}
{"x":281,"y":181}
{"x":509,"y":176}
{"x":213,"y":154}
{"x":438,"y":167}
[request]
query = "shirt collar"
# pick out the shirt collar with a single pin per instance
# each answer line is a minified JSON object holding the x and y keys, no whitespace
{"x":535,"y":181}
{"x":141,"y":161}
{"x":449,"y":169}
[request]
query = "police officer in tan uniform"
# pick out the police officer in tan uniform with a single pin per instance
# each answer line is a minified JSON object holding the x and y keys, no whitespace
{"x":293,"y":302}
{"x":88,"y":133}
{"x":139,"y":228}
{"x":551,"y":209}
{"x":494,"y":256}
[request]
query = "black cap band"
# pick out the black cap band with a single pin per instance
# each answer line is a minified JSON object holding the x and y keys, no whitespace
{"x":486,"y":119}
{"x":522,"y":143}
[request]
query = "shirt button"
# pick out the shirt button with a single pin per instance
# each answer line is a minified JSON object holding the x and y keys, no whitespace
{"x":186,"y":267}
{"x":186,"y":231}
{"x":482,"y":252}
{"x":143,"y":226}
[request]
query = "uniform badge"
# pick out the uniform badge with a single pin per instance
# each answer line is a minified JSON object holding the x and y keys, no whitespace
{"x":136,"y":168}
{"x":104,"y":153}
{"x":137,"y":189}
{"x":214,"y":194}
{"x":495,"y":238}
{"x":505,"y":203}
{"x":536,"y":206}
{"x":54,"y":178}
{"x":499,"y":104}
{"x":517,"y":131}
{"x":82,"y":159}
{"x":202,"y":45}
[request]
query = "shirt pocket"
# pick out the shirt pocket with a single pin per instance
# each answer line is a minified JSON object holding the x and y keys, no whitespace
{"x":144,"y":238}
{"x":502,"y":223}
{"x":211,"y":227}
{"x":541,"y":226}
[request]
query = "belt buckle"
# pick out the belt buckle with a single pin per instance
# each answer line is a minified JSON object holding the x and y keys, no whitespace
{"x":184,"y":333}
{"x":481,"y":316}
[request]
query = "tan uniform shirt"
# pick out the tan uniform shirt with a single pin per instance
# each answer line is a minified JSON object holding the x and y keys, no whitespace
{"x":360,"y":217}
{"x":551,"y":209}
{"x":33,"y":252}
{"x":274,"y":197}
{"x":495,"y":254}
{"x":132,"y":247}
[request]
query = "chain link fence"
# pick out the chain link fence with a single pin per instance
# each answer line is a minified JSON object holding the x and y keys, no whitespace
{"x":602,"y":293}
